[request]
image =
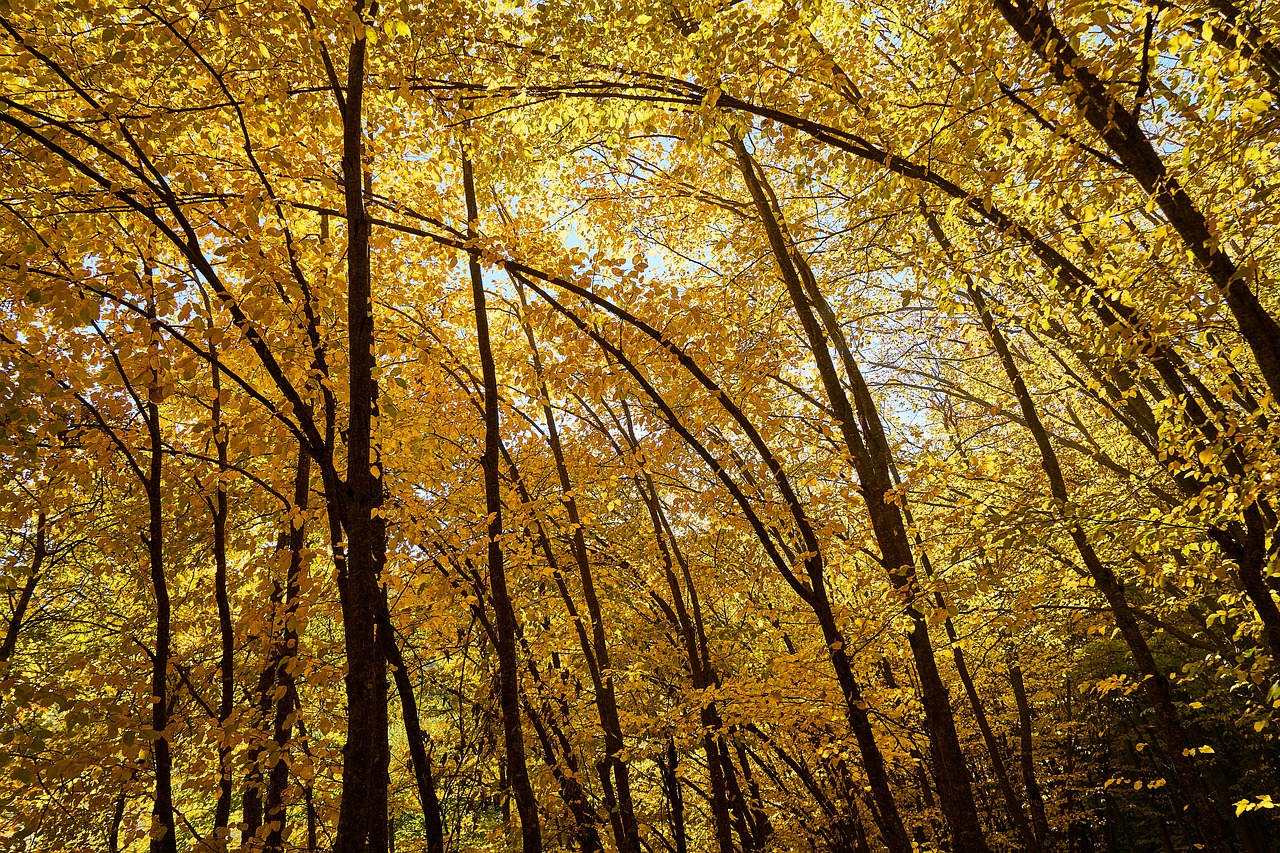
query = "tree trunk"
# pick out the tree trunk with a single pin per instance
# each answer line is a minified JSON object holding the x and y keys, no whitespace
{"x":871,"y":461}
{"x":1031,"y":839}
{"x":675,"y":798}
{"x":10,"y":643}
{"x":1034,"y":797}
{"x":432,"y":820}
{"x":362,"y":817}
{"x":503,"y":611}
{"x":163,"y":837}
{"x":275,"y":812}
{"x":226,"y":662}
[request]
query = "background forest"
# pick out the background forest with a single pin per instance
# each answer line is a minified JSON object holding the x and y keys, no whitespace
{"x":691,"y":425}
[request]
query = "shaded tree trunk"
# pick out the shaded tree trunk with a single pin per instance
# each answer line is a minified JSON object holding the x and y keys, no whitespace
{"x":1154,"y":681}
{"x":667,"y":764}
{"x":504,"y":613}
{"x":226,"y":633}
{"x":163,"y":837}
{"x":362,"y":818}
{"x":1034,"y":796}
{"x":10,"y":643}
{"x":432,"y":819}
{"x":275,"y":812}
{"x":871,"y":461}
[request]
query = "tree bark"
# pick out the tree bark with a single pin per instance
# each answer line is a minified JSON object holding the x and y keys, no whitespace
{"x":163,"y":837}
{"x":432,"y":819}
{"x":284,"y":658}
{"x":10,"y":643}
{"x":1122,"y":131}
{"x":667,"y":765}
{"x":1034,"y":796}
{"x":871,"y":461}
{"x":1154,"y":681}
{"x":362,"y":817}
{"x":226,"y":633}
{"x":503,"y":611}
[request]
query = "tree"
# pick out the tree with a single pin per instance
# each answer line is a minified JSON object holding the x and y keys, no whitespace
{"x":746,"y":427}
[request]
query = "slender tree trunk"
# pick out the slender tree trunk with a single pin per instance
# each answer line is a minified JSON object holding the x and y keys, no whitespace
{"x":693,"y":635}
{"x":737,"y":802}
{"x":432,"y":820}
{"x":308,"y":800}
{"x":362,"y":818}
{"x":1032,"y":841}
{"x":1154,"y":681}
{"x":10,"y":643}
{"x":503,"y":611}
{"x":702,"y":679}
{"x":871,"y":461}
{"x":163,"y":837}
{"x":285,"y":657}
{"x":1034,"y":797}
{"x":117,"y":818}
{"x":550,"y":735}
{"x":667,"y":765}
{"x":226,"y":662}
{"x":585,"y":828}
{"x":254,"y":785}
{"x":761,"y":828}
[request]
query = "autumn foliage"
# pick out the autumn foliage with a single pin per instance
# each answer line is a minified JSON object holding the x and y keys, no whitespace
{"x":538,"y":425}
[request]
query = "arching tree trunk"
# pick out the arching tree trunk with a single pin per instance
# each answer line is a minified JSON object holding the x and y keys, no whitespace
{"x":504,"y":616}
{"x":163,"y":837}
{"x":870,"y":454}
{"x":1154,"y":681}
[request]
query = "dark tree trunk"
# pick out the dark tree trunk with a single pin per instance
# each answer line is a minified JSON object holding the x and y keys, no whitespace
{"x":667,"y":765}
{"x":117,"y":818}
{"x":503,"y":610}
{"x":870,"y":455}
{"x":585,"y":827}
{"x":693,"y":637}
{"x":163,"y":837}
{"x":1031,"y":839}
{"x":362,"y":817}
{"x":1034,"y":797}
{"x":10,"y":643}
{"x":432,"y":820}
{"x":226,"y":662}
{"x":275,"y":812}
